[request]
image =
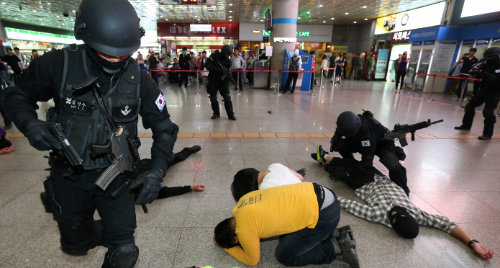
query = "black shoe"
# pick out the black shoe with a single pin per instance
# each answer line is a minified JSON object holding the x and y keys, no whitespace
{"x":45,"y":202}
{"x":320,"y":154}
{"x":231,"y":117}
{"x":193,"y":149}
{"x":348,"y":246}
{"x":215,"y":116}
{"x":484,"y":137}
{"x":462,"y":127}
{"x":301,"y":171}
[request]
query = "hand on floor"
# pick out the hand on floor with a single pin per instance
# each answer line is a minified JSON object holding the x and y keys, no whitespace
{"x":482,"y":251}
{"x":198,"y":187}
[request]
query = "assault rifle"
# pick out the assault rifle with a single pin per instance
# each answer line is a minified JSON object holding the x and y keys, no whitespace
{"x":400,"y":131}
{"x":69,"y":152}
{"x":226,"y":73}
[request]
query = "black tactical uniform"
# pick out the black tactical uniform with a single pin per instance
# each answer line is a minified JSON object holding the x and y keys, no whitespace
{"x":218,"y":81}
{"x":368,"y":141}
{"x":489,"y":93}
{"x":184,"y":60}
{"x":127,"y":92}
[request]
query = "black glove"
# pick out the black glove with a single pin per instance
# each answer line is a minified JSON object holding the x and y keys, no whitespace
{"x":39,"y":136}
{"x":151,"y":184}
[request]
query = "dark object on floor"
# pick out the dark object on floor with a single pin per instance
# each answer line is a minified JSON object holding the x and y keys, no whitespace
{"x":348,"y":246}
{"x":301,"y":171}
{"x":269,"y":112}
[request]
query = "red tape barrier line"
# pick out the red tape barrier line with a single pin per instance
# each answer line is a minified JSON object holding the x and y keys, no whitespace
{"x":451,"y":77}
{"x":243,"y":71}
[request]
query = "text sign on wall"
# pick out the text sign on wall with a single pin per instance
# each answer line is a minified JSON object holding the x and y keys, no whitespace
{"x":401,"y":36}
{"x":229,"y":30}
{"x":268,"y":33}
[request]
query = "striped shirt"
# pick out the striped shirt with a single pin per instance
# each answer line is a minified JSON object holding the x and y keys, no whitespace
{"x":380,"y":196}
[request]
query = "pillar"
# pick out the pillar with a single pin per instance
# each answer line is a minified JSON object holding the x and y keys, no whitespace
{"x":284,"y":25}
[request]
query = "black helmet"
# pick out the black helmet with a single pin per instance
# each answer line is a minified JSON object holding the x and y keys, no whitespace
{"x":492,"y":51}
{"x":110,"y":26}
{"x":348,"y":123}
{"x":227,"y":50}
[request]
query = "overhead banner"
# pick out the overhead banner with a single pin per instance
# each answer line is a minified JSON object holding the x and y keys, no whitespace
{"x":227,"y":30}
{"x":20,"y":34}
{"x":413,"y":19}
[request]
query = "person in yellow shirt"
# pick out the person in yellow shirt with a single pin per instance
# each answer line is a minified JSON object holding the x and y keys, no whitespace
{"x":304,"y":215}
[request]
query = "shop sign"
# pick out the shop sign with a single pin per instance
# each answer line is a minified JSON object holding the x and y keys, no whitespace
{"x":229,"y":30}
{"x":417,"y":43}
{"x":401,"y":36}
{"x":340,"y":49}
{"x":200,"y":27}
{"x":19,"y":34}
{"x":285,"y":39}
{"x":268,"y":33}
{"x":482,"y":42}
{"x":44,"y":43}
{"x":428,"y":42}
{"x":417,"y":18}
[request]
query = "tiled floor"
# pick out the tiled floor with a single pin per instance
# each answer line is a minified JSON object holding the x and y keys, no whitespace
{"x":448,"y":174}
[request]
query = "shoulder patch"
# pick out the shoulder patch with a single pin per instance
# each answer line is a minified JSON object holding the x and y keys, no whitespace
{"x":365,"y":143}
{"x":497,"y":71}
{"x":160,"y":102}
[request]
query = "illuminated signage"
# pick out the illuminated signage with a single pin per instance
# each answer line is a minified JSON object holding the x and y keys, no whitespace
{"x":401,"y":36}
{"x":19,"y":34}
{"x":479,"y":7}
{"x":285,"y":39}
{"x":268,"y":33}
{"x":200,"y":27}
{"x":417,"y":18}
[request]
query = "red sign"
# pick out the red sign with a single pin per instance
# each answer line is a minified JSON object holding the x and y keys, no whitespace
{"x":228,"y":30}
{"x":215,"y":47}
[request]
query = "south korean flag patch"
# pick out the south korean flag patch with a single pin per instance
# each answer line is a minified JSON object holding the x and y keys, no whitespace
{"x":365,"y":143}
{"x":160,"y":102}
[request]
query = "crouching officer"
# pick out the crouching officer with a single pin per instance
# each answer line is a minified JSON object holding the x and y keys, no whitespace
{"x":489,"y":93}
{"x":95,"y":85}
{"x":218,"y":81}
{"x":365,"y":134}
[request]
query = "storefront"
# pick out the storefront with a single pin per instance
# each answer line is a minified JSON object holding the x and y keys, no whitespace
{"x":393,"y":32}
{"x":196,"y":37}
{"x":26,"y":40}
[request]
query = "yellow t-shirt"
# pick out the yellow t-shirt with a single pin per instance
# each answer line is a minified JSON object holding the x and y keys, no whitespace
{"x":272,"y":212}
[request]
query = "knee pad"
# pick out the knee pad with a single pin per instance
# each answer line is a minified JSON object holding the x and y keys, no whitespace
{"x":77,"y":241}
{"x":123,"y":256}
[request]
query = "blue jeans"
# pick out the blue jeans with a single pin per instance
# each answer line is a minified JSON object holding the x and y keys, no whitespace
{"x":310,"y":246}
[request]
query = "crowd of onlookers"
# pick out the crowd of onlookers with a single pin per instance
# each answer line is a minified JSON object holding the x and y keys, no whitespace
{"x":339,"y":66}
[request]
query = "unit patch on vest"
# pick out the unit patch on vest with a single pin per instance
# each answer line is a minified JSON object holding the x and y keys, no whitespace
{"x":126,"y":110}
{"x":160,"y":102}
{"x":74,"y":104}
{"x":365,"y":143}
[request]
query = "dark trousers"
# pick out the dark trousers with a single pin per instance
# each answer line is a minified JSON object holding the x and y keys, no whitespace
{"x":491,"y":101}
{"x":154,"y":75}
{"x":291,"y":77}
{"x":310,"y":246}
{"x":75,"y":199}
{"x":240,"y":81}
{"x":400,"y":76}
{"x":463,"y":84}
{"x":184,"y":78}
{"x":397,"y":173}
{"x":224,"y":92}
{"x":6,"y":120}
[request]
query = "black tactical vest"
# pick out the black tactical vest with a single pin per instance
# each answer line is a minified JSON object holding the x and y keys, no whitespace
{"x":79,"y":114}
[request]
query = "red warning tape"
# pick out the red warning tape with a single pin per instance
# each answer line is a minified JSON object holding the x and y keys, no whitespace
{"x":451,"y":77}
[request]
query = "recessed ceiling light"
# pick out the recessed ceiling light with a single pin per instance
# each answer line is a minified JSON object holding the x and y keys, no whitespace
{"x":324,"y":21}
{"x":230,"y":4}
{"x":347,"y":13}
{"x":74,"y":11}
{"x":383,"y":14}
{"x":363,"y":7}
{"x":366,"y":19}
{"x":58,"y":16}
{"x":230,"y":19}
{"x":230,"y":16}
{"x":308,"y":12}
{"x":333,"y":18}
{"x":166,"y":19}
{"x":230,"y":11}
{"x":320,"y":5}
{"x":261,"y":20}
{"x":299,"y":18}
{"x":49,"y":4}
{"x":355,"y":22}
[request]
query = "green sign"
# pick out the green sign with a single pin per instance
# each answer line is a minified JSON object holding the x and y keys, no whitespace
{"x":13,"y":33}
{"x":268,"y":33}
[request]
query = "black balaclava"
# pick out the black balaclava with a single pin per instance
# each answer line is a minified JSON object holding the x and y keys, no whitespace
{"x":108,"y":67}
{"x":405,"y":225}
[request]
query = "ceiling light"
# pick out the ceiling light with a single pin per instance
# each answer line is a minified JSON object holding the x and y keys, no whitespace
{"x":333,"y":18}
{"x":230,"y":19}
{"x":363,"y":7}
{"x":166,"y":19}
{"x":355,"y":22}
{"x":74,"y":11}
{"x":320,"y":5}
{"x":261,"y":20}
{"x":324,"y":21}
{"x":383,"y":14}
{"x":299,"y":18}
{"x":366,"y":19}
{"x":230,"y":4}
{"x":308,"y":12}
{"x":230,"y":11}
{"x":49,"y":4}
{"x":347,"y":13}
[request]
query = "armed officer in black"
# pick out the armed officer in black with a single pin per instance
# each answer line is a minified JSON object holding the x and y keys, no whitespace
{"x":110,"y":38}
{"x":365,"y":135}
{"x":489,"y":93}
{"x":218,"y":81}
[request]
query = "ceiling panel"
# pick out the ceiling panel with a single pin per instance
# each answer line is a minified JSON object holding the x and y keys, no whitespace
{"x":61,"y":13}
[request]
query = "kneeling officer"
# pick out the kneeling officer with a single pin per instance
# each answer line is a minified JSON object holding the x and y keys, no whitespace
{"x":95,"y":87}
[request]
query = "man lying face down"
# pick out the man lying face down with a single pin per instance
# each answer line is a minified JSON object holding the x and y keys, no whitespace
{"x":389,"y":205}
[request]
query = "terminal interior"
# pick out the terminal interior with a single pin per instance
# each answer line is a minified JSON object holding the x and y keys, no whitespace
{"x":450,"y":172}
